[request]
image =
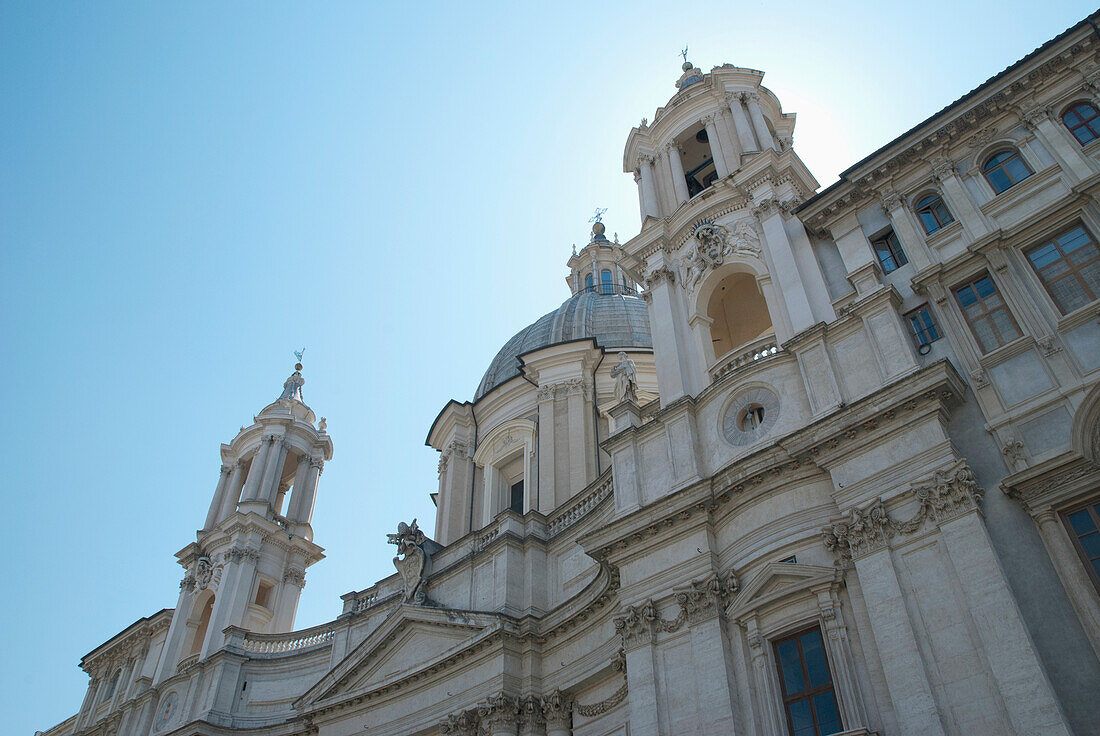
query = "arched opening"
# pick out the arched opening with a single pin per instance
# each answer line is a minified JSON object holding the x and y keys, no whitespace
{"x":698,"y":160}
{"x":207,"y":608}
{"x":738,"y":313}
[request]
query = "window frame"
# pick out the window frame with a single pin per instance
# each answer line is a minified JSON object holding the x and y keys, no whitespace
{"x":895,"y":250}
{"x":1074,"y":271}
{"x":914,"y":333}
{"x":1088,"y":504}
{"x":928,"y":202}
{"x":971,"y":281}
{"x":809,"y":694}
{"x":988,"y":170}
{"x":1085,"y":122}
{"x":607,"y":285}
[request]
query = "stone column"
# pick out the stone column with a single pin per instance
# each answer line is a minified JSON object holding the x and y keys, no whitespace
{"x":741,"y":124}
{"x":768,"y":700}
{"x":89,"y":701}
{"x":219,"y":496}
{"x":786,"y":270}
{"x":1059,"y":141}
{"x":294,"y":580}
{"x":499,"y":715}
{"x":906,"y":675}
{"x":269,"y":486}
{"x":641,"y":676}
{"x":648,"y":188}
{"x":578,"y":447}
{"x":857,"y":255}
{"x":232,"y":494}
{"x":301,"y":473}
{"x":256,"y":470}
{"x":545,"y":396}
{"x":1021,"y":679}
{"x":711,"y":657}
{"x":557,"y":711}
{"x":231,"y":602}
{"x":849,"y":694}
{"x":1074,"y":578}
{"x":912,"y":242}
{"x":177,"y":632}
{"x":716,"y":146}
{"x":958,"y":200}
{"x":676,"y":170}
{"x":672,"y":369}
{"x":767,"y":140}
{"x":727,"y":136}
{"x":309,"y":492}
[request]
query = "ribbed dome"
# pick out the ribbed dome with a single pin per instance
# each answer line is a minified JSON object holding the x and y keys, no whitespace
{"x":614,"y":320}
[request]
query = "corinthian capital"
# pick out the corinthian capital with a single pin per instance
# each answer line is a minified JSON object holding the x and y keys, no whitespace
{"x":499,"y":712}
{"x":943,"y":168}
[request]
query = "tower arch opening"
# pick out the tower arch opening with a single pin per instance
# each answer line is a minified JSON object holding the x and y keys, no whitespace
{"x":738,"y":313}
{"x":200,"y":620}
{"x":698,"y":159}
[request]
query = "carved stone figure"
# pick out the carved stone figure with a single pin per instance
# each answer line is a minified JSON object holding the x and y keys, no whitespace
{"x":711,"y":245}
{"x":204,"y":572}
{"x":292,"y":387}
{"x":626,"y":379}
{"x":413,"y":561}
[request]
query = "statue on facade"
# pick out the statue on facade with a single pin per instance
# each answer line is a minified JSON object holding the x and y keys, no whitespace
{"x":292,"y":387}
{"x":626,"y":379}
{"x":413,"y":560}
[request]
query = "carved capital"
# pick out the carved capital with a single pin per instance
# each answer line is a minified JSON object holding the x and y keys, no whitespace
{"x":460,"y":724}
{"x":943,"y":168}
{"x":658,"y":276}
{"x":295,"y":576}
{"x":556,"y":708}
{"x":702,"y":599}
{"x":860,"y":533}
{"x":891,"y":200}
{"x":1036,"y":115}
{"x":1049,"y":345}
{"x":499,"y":712}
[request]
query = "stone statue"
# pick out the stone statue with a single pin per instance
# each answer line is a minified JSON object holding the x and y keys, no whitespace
{"x":322,"y":425}
{"x":626,"y":379}
{"x":292,"y":388}
{"x":413,"y":561}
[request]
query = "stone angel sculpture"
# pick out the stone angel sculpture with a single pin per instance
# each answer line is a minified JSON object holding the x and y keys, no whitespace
{"x":626,"y":379}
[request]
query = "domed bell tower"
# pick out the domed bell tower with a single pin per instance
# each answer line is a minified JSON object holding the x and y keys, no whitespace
{"x":247,"y":566}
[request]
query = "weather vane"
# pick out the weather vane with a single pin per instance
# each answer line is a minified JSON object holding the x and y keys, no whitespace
{"x":299,"y":353}
{"x":684,"y":53}
{"x":598,"y":217}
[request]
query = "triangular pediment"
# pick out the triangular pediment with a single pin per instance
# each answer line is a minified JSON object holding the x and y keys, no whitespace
{"x":410,"y":640}
{"x":778,"y":581}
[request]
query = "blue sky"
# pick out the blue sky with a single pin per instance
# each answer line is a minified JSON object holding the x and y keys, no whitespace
{"x":190,"y":191}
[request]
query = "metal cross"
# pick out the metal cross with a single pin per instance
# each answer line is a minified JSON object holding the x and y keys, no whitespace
{"x":684,"y":53}
{"x":598,"y":217}
{"x":299,"y":353}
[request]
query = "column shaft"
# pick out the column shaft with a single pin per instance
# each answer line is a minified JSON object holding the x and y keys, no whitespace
{"x":742,"y":125}
{"x":232,"y":495}
{"x":648,"y":188}
{"x":767,"y":140}
{"x":256,"y":471}
{"x":270,"y":484}
{"x":547,"y":488}
{"x":716,"y":147}
{"x":676,"y":168}
{"x":911,"y":241}
{"x":212,"y":516}
{"x":786,"y":271}
{"x":294,"y":512}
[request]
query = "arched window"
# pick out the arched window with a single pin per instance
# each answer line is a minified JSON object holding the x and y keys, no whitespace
{"x":933,"y":213}
{"x":109,"y":692}
{"x":1005,"y":169}
{"x":605,"y":282}
{"x":588,"y":282}
{"x":1083,"y":121}
{"x":203,"y":625}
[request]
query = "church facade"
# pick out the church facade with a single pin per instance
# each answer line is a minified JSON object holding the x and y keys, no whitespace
{"x":786,"y":462}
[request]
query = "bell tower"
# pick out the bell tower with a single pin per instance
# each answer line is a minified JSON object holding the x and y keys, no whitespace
{"x":247,"y":565}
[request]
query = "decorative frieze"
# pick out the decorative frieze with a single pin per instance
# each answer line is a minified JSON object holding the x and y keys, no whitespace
{"x":950,"y":493}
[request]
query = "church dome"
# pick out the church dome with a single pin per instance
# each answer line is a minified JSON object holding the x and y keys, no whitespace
{"x":613,"y":320}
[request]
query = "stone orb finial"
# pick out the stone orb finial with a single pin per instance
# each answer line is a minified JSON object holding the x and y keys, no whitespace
{"x":599,"y":228}
{"x":687,"y":66}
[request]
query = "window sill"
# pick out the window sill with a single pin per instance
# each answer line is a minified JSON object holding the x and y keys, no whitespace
{"x":1009,"y":350}
{"x":1077,"y":317}
{"x":943,"y":235}
{"x":1029,"y":186}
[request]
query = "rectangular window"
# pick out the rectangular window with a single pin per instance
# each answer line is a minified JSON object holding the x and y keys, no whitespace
{"x":263,"y":594}
{"x":1069,"y":267}
{"x":922,"y":327}
{"x":1083,"y":524}
{"x":986,"y":313}
{"x":889,"y":252}
{"x":808,"y":697}
{"x":516,"y":500}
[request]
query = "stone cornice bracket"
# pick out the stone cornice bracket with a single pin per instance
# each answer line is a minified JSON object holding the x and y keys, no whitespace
{"x":948,"y":494}
{"x":659,"y":274}
{"x":639,"y":625}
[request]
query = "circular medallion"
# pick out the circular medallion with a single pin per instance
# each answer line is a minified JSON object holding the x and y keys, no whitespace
{"x":750,"y":416}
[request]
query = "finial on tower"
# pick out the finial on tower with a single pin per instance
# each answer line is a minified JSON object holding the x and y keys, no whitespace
{"x":687,"y":66}
{"x":598,"y":227}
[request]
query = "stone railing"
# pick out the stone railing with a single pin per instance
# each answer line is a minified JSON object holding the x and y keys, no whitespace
{"x":744,"y":356}
{"x":293,"y":642}
{"x":586,"y":501}
{"x":365,"y":600}
{"x":187,"y":662}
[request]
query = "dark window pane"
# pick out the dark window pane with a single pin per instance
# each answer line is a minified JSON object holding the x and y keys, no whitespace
{"x":1091,"y":544}
{"x":967,"y":296}
{"x":802,"y":720}
{"x":517,"y":497}
{"x":995,"y":160}
{"x":1072,"y":118}
{"x":814,"y":652}
{"x":1017,"y":170}
{"x":984,"y":286}
{"x":1074,"y":239}
{"x":828,"y":720}
{"x":929,"y":221}
{"x":790,"y":667}
{"x":1084,"y":135}
{"x":1044,"y":256}
{"x":999,"y":180}
{"x":1082,"y":522}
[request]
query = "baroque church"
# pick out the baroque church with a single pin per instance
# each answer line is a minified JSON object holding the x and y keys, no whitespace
{"x":788,"y":462}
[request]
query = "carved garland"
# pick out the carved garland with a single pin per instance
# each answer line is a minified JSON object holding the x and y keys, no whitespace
{"x":950,"y":494}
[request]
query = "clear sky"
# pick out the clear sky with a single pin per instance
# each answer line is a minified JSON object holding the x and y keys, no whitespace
{"x":191,"y":190}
